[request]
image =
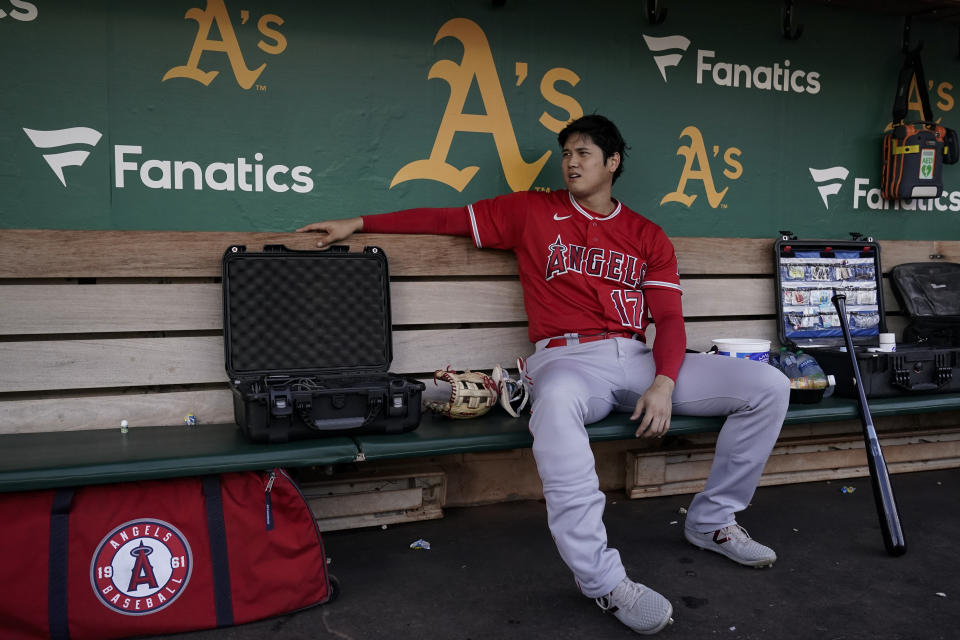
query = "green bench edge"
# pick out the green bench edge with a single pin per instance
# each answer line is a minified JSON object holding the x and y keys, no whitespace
{"x":68,"y":458}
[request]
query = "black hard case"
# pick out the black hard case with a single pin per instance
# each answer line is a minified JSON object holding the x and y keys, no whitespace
{"x":929,"y":293}
{"x":808,"y":320}
{"x":308,"y":344}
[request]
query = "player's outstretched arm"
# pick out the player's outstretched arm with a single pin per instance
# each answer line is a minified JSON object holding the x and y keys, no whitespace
{"x":437,"y":220}
{"x":333,"y":231}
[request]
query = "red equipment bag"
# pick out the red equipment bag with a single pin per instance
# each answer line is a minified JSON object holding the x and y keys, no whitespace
{"x":158,"y":557}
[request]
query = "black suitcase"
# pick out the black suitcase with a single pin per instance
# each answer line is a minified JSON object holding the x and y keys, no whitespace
{"x":308,"y":343}
{"x":807,"y":274}
{"x":929,"y":293}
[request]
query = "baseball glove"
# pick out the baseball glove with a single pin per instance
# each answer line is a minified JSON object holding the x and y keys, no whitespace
{"x":472,"y":394}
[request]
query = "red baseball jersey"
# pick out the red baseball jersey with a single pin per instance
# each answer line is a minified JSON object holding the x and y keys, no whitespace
{"x":581,"y":272}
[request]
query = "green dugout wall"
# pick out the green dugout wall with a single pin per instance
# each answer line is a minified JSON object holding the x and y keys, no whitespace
{"x":266,"y":115}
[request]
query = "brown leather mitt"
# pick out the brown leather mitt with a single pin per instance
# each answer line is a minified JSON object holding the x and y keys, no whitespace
{"x":472,"y":394}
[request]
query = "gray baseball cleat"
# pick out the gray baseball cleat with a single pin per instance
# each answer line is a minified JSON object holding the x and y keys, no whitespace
{"x":639,"y":607}
{"x":734,"y":542}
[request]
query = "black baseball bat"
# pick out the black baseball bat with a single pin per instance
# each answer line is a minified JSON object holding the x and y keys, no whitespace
{"x":879,"y":475}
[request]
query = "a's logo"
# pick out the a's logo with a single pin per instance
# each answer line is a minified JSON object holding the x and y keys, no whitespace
{"x":61,"y":138}
{"x":141,"y":567}
{"x":696,"y":168}
{"x":674,"y":45}
{"x":477,"y":66}
{"x":558,"y":217}
{"x":829,"y":181}
{"x":216,"y":13}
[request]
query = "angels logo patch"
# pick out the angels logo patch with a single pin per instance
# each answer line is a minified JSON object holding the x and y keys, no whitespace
{"x":141,"y":567}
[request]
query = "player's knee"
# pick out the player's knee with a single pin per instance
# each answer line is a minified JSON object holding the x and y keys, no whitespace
{"x":773,"y":384}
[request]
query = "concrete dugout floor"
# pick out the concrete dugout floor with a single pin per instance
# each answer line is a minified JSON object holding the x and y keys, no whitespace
{"x":493,"y":572}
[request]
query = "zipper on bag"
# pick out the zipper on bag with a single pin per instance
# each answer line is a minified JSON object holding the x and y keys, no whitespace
{"x":268,"y":504}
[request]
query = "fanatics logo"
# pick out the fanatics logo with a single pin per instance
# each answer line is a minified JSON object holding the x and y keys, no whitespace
{"x":141,"y":567}
{"x":674,"y":46}
{"x":829,"y":181}
{"x":58,"y":139}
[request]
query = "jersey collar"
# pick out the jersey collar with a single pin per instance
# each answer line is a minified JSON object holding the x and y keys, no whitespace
{"x":590,"y":215}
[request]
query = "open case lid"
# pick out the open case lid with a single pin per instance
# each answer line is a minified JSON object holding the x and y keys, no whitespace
{"x":809,"y":272}
{"x":289,"y":312}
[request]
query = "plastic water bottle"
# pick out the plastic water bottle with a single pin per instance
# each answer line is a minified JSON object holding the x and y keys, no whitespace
{"x":774,"y":358}
{"x":811,"y":376}
{"x":789,"y":364}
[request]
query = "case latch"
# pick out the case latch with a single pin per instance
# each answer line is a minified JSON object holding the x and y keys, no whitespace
{"x":941,"y":375}
{"x":281,"y":403}
{"x":901,"y":376}
{"x":398,"y":399}
{"x":944,"y":370}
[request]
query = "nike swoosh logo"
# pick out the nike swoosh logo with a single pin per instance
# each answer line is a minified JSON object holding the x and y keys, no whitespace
{"x":556,"y":216}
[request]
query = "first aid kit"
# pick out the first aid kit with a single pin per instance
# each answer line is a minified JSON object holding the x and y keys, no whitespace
{"x":913,"y":153}
{"x":808,"y":274}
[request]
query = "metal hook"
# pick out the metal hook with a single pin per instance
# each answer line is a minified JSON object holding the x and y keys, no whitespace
{"x":788,"y":31}
{"x":655,"y":15}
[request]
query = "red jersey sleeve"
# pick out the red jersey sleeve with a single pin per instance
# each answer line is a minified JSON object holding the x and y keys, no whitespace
{"x":670,"y":343}
{"x":661,"y":286}
{"x":662,"y":270}
{"x":497,"y":223}
{"x":451,"y":221}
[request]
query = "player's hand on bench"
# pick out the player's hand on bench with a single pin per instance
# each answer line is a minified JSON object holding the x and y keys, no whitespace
{"x":333,"y":231}
{"x":655,"y":406}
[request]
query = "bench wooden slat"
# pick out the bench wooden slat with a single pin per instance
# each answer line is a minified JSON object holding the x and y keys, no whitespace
{"x":70,"y":413}
{"x":129,"y":362}
{"x":182,"y":254}
{"x":461,"y":301}
{"x":480,"y":349}
{"x":108,"y":308}
{"x":90,"y":364}
{"x":27,"y":253}
{"x":111,"y":308}
{"x":707,"y":297}
{"x":134,"y":362}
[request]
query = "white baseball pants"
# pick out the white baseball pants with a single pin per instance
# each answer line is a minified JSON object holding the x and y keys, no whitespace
{"x":576,"y":385}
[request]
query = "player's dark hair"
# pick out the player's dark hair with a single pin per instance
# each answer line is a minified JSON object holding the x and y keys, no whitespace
{"x":603,"y":133}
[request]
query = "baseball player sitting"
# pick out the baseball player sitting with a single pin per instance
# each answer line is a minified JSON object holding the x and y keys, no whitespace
{"x":591,"y":269}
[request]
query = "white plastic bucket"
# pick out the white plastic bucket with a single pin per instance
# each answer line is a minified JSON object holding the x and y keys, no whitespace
{"x":748,"y":348}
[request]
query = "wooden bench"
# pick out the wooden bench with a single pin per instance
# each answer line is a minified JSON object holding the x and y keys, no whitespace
{"x":102,"y":326}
